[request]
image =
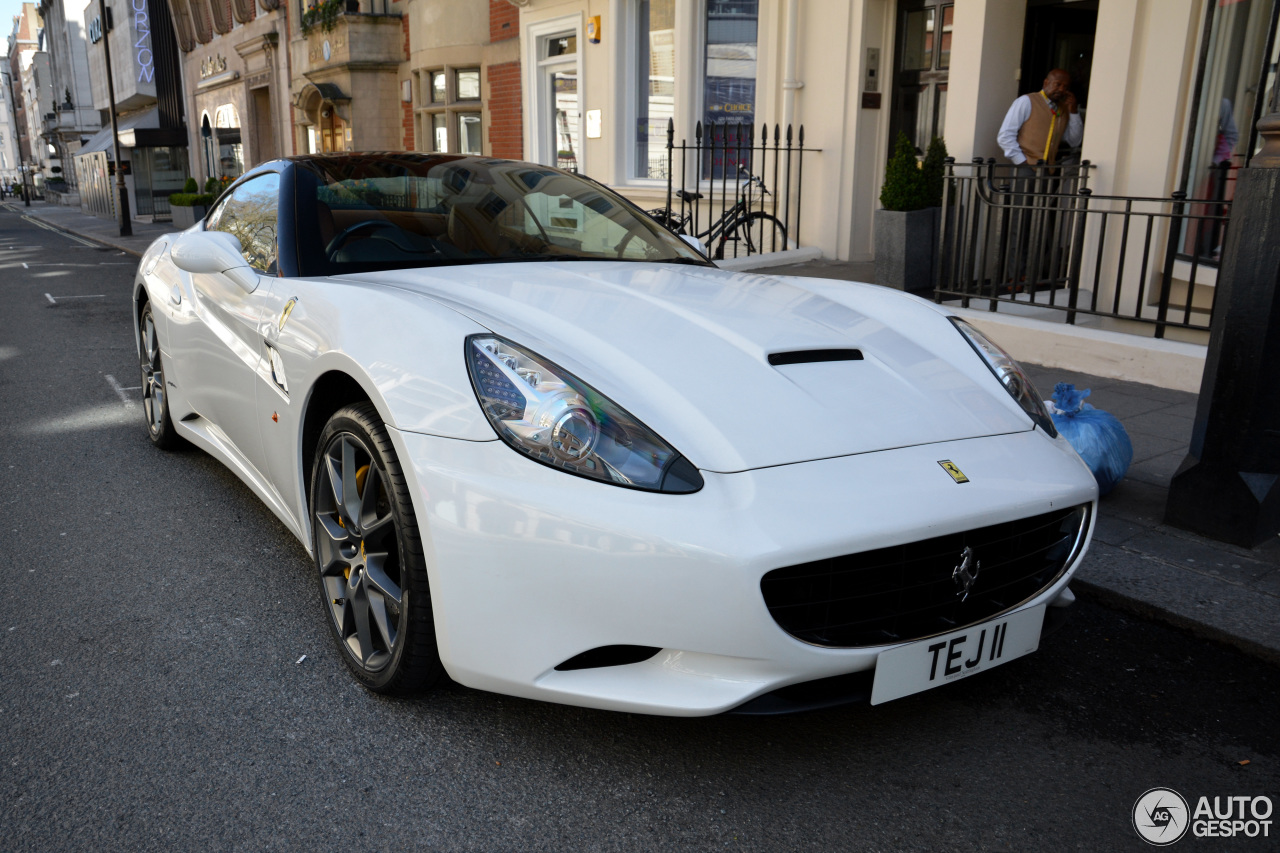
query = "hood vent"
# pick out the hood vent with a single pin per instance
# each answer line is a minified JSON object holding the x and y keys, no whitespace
{"x":810,"y":356}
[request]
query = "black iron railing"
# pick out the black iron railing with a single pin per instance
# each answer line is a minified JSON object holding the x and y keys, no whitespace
{"x":738,"y":195}
{"x":1038,"y":236}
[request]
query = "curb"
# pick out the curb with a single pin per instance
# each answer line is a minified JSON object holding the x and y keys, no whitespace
{"x":62,"y":230}
{"x":1155,"y":613}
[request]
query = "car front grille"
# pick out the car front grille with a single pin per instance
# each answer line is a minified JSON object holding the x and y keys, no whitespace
{"x":911,"y":591}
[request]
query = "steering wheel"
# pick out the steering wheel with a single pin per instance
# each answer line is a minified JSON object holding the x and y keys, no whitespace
{"x":350,"y":231}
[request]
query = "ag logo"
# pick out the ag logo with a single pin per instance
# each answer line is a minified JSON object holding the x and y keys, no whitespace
{"x":1161,"y":817}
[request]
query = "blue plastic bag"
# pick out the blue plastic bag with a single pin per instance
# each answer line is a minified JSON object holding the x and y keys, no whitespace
{"x":1096,"y":435}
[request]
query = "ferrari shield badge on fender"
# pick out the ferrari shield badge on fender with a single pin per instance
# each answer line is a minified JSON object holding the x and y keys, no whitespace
{"x":284,"y":315}
{"x":950,"y":468}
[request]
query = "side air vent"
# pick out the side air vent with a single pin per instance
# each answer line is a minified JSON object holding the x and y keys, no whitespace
{"x":810,"y":356}
{"x":608,"y":656}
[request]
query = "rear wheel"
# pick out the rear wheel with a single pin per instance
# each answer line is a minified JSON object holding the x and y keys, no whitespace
{"x":752,"y":234}
{"x":155,"y":402}
{"x":372,"y":572}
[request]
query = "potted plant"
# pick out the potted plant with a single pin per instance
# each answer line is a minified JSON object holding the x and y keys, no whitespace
{"x":905,"y":224}
{"x":189,"y":206}
{"x":323,"y":14}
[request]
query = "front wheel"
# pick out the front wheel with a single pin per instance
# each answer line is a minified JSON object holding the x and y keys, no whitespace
{"x":752,"y":234}
{"x":155,"y":402}
{"x":372,"y":572}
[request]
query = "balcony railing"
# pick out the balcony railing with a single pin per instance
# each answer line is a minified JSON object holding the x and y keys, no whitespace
{"x":1042,"y":239}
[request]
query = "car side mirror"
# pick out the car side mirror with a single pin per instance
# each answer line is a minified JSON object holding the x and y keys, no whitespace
{"x":695,"y":243}
{"x":214,"y":252}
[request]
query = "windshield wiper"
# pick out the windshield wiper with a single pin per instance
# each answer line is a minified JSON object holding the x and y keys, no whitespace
{"x":689,"y":261}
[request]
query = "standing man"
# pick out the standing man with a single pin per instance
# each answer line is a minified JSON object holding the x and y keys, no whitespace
{"x":1037,"y":123}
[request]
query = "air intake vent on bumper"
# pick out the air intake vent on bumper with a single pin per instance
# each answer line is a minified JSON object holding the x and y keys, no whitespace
{"x":608,"y":656}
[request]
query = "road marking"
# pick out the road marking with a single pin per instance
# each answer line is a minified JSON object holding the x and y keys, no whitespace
{"x":25,"y":267}
{"x":46,"y":226}
{"x":61,"y":264}
{"x":54,"y":300}
{"x":121,"y":390}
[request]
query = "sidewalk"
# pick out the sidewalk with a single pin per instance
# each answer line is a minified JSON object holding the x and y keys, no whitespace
{"x":103,"y":231}
{"x":1136,"y":563}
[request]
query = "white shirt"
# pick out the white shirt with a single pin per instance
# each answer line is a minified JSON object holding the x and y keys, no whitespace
{"x":1017,"y":116}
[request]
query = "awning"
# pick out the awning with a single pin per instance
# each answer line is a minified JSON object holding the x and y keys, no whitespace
{"x":139,"y":130}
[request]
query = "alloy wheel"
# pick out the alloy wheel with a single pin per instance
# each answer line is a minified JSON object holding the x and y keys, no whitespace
{"x":357,"y":545}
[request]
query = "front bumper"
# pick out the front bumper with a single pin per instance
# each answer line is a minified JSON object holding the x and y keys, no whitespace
{"x":530,"y":567}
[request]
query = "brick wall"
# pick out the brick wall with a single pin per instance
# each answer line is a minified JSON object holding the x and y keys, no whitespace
{"x":506,"y":124}
{"x":504,"y":21}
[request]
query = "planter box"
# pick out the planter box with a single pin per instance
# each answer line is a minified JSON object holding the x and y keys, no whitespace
{"x":185,"y":217}
{"x":906,"y":242}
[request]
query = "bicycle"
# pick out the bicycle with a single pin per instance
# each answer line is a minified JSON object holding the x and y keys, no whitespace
{"x":760,"y":231}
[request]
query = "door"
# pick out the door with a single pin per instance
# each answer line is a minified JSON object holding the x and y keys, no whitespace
{"x":556,"y":104}
{"x":1059,"y":34}
{"x":222,"y":352}
{"x":921,"y":65}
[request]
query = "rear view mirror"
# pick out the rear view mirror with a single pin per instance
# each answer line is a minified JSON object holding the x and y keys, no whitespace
{"x":213,"y":252}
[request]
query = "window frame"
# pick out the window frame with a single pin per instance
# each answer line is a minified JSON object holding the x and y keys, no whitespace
{"x":540,"y":142}
{"x":426,"y":108}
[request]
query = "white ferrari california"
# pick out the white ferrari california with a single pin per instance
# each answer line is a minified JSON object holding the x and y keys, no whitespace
{"x":537,"y":442}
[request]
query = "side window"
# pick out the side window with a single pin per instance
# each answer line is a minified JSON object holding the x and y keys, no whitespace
{"x":250,"y":214}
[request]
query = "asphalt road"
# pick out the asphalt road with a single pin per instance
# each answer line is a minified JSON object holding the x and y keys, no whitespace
{"x":151,"y":694}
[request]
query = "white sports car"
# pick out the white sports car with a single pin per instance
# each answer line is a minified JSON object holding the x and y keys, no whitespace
{"x":537,"y":442}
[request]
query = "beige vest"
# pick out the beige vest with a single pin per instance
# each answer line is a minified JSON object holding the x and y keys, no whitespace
{"x":1042,"y":131}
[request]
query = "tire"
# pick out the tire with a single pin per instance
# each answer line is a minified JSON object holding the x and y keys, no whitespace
{"x":752,"y":234}
{"x":155,"y":402}
{"x":368,"y":557}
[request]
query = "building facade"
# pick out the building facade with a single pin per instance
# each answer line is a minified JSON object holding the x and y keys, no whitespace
{"x":235,"y":61}
{"x":22,"y":45}
{"x":146,"y":77}
{"x":73,"y":118}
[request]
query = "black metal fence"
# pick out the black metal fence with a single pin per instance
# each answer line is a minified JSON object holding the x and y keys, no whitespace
{"x":733,"y":189}
{"x":1038,"y":236}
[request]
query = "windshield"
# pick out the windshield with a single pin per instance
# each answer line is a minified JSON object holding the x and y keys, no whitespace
{"x":392,"y":211}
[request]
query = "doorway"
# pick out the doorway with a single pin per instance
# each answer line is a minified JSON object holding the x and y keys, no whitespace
{"x":1059,"y":34}
{"x":921,"y":67}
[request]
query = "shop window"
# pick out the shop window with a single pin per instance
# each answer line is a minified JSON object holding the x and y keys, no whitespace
{"x":729,"y":81}
{"x":1242,"y":52}
{"x":655,"y":75}
{"x":448,"y":116}
{"x":724,"y":91}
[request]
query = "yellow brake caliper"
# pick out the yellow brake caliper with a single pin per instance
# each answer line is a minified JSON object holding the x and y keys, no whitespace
{"x":361,"y":473}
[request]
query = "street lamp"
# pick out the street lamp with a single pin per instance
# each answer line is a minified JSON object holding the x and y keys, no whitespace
{"x":13,"y":117}
{"x":1228,"y":487}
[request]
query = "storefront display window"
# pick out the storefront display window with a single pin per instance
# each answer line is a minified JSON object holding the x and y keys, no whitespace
{"x":729,"y":87}
{"x":1240,"y":42}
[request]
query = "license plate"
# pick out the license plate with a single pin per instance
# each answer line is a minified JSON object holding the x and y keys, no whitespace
{"x":938,"y":660}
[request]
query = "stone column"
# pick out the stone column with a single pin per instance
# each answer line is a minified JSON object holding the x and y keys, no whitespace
{"x":1228,"y":487}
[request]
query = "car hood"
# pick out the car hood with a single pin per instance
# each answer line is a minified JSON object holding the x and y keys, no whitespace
{"x":686,"y":350}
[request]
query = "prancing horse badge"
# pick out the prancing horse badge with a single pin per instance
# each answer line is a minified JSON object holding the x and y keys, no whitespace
{"x":950,"y":468}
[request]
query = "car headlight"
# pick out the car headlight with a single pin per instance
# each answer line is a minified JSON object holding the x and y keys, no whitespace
{"x":553,"y":417}
{"x":1010,"y":374}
